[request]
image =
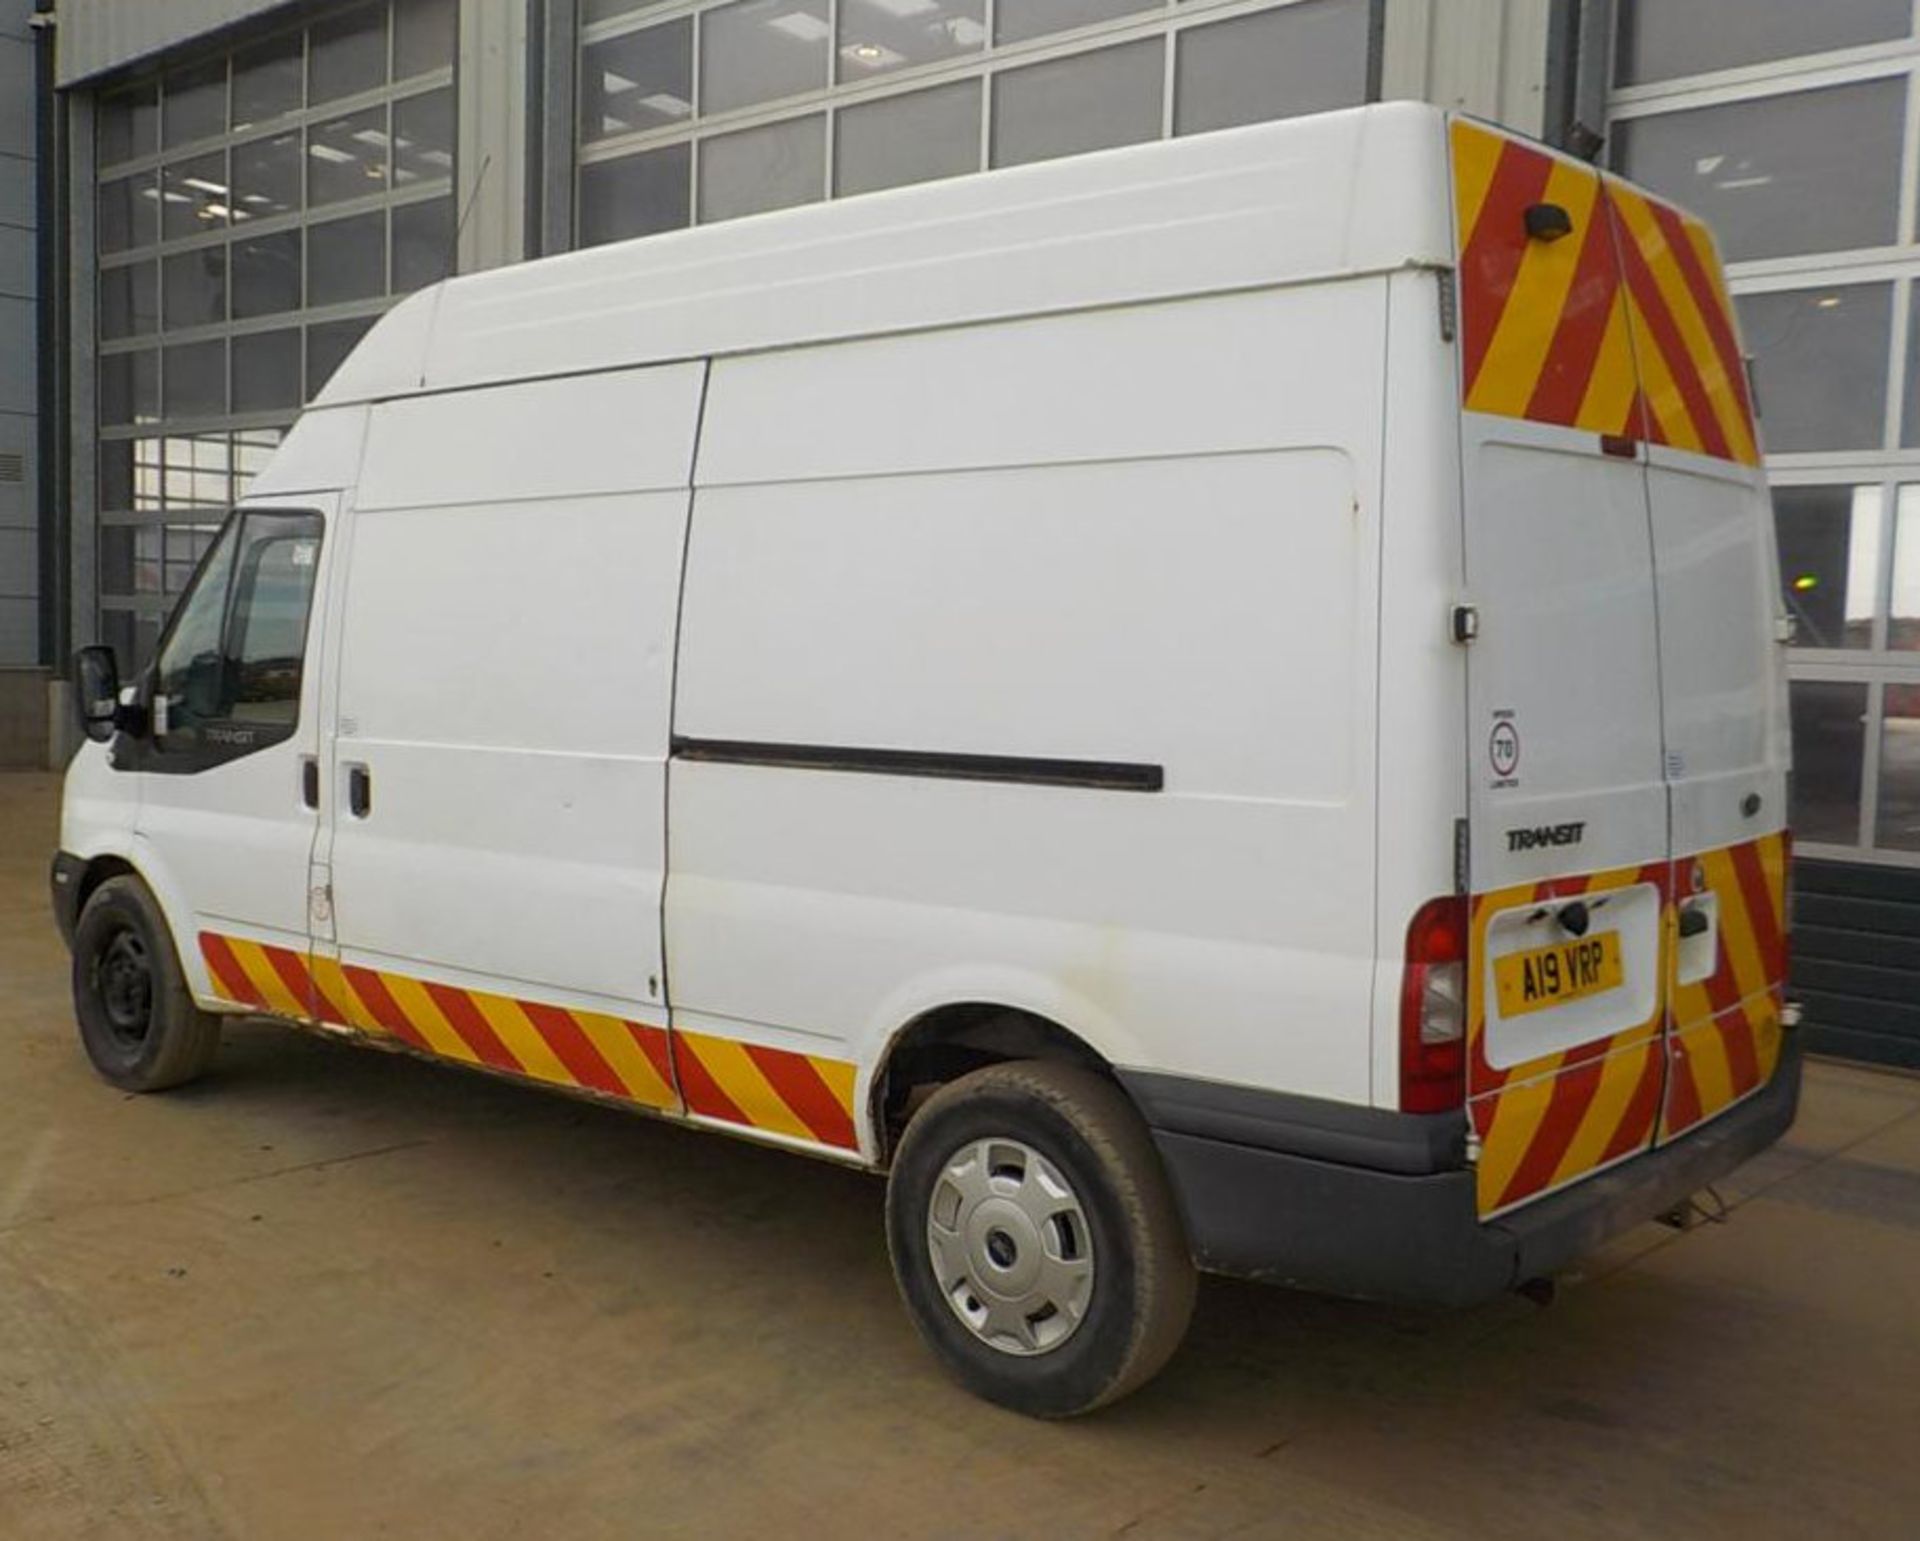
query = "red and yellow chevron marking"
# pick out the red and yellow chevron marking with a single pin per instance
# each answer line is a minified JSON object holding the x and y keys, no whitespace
{"x":1726,"y":1031}
{"x":801,"y":1095}
{"x":750,"y":1084}
{"x":1552,"y":1120}
{"x":1623,"y":328}
{"x":584,"y":1050}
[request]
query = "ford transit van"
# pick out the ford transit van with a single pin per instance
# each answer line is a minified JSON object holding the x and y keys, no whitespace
{"x":1215,"y":706}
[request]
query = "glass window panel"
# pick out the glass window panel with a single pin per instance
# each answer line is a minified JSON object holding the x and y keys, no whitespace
{"x":760,"y":50}
{"x":195,"y":379}
{"x":635,"y":195}
{"x":194,"y":288}
{"x":1897,"y":823}
{"x":881,"y":35}
{"x":128,"y":123}
{"x":266,"y":176}
{"x":130,"y":475}
{"x":252,"y":449}
{"x":185,"y":545}
{"x":267,"y":80}
{"x":131,"y":636}
{"x":1903,"y":627}
{"x":1829,"y":562}
{"x":129,"y":213}
{"x":266,"y":274}
{"x":422,"y":244}
{"x":129,"y":301}
{"x":130,"y":559}
{"x":194,"y":196}
{"x":423,"y":133}
{"x":1273,"y":64}
{"x":116,"y":474}
{"x":1088,"y":102}
{"x":1664,"y":39}
{"x":194,"y":103}
{"x":1821,"y":364}
{"x":129,"y":388}
{"x":1829,"y":747}
{"x":327,"y":347}
{"x":348,"y":54}
{"x":347,"y":157}
{"x":266,"y":371}
{"x":905,"y":139}
{"x":638,"y":80}
{"x":774,"y":167}
{"x":347,"y":259}
{"x":592,"y":11}
{"x":1807,"y":172}
{"x":424,"y":33}
{"x":197,"y":471}
{"x":1016,"y":20}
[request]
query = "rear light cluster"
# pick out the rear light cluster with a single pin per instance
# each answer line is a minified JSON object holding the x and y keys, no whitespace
{"x":1433,"y":1009}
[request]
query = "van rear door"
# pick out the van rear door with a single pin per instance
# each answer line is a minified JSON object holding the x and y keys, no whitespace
{"x":1567,"y":804}
{"x":1722,"y":677}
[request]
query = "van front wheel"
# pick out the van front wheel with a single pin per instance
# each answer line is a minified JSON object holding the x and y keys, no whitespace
{"x":1036,"y":1240}
{"x":138,"y":1022}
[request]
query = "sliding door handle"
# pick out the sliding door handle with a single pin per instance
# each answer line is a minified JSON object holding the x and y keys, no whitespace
{"x":359,"y":791}
{"x":310,"y":780}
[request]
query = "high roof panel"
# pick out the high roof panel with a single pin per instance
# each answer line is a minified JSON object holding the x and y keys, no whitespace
{"x":1343,"y":193}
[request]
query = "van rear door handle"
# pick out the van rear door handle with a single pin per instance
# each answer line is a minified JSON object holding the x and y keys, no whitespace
{"x":310,"y":780}
{"x":359,"y":791}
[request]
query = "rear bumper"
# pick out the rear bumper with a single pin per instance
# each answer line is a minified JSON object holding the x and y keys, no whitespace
{"x":1415,"y":1237}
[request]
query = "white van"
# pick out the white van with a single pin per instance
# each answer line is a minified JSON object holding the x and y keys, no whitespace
{"x":1214,"y":704}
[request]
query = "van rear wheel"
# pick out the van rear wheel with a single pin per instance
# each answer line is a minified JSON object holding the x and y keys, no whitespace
{"x":138,"y":1022}
{"x":1036,"y":1240}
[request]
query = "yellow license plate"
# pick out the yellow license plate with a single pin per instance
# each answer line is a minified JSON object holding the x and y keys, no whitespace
{"x":1552,"y":976}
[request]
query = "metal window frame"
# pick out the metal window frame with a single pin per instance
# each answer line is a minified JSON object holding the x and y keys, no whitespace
{"x":89,"y":173}
{"x":1890,"y":465}
{"x":1166,"y":19}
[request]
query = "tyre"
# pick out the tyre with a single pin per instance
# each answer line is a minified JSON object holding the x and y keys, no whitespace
{"x":1036,"y":1240}
{"x":138,"y":1022}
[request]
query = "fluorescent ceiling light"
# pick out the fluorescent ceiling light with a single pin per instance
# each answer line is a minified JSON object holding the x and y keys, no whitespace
{"x":333,"y":157}
{"x":614,"y":84}
{"x":667,"y":104}
{"x":216,"y":188}
{"x":873,"y":56}
{"x":904,"y":7}
{"x":798,"y":24}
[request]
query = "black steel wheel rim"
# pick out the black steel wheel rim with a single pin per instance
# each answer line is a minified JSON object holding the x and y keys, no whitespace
{"x":123,"y":984}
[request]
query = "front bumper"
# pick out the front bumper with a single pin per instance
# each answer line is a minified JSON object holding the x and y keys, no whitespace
{"x":64,"y":881}
{"x":1416,"y":1237}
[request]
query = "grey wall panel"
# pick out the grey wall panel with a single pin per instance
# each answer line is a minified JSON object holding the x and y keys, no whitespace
{"x":101,"y":35}
{"x":16,"y":263}
{"x":16,"y":95}
{"x":19,"y":565}
{"x":17,"y":389}
{"x":16,"y":190}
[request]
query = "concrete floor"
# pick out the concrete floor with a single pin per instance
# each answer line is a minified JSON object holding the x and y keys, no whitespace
{"x":329,"y":1293}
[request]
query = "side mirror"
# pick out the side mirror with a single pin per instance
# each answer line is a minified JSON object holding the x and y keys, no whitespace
{"x":96,"y":684}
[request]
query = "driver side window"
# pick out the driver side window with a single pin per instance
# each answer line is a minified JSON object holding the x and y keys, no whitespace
{"x":228,"y":677}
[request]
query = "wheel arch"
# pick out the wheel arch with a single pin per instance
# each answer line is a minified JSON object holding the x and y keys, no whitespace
{"x":944,"y":1042}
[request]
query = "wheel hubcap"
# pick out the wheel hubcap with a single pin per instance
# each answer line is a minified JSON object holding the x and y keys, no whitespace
{"x":123,"y":980}
{"x":1010,"y":1246}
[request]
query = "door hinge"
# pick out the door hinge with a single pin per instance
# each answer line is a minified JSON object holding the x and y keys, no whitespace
{"x":320,"y":903}
{"x":1786,"y":629}
{"x":1463,"y":623}
{"x":1446,"y":294}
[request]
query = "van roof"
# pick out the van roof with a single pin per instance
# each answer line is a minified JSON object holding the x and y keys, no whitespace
{"x":1358,"y":191}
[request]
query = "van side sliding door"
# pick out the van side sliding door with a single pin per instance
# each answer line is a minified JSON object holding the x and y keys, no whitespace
{"x":496,"y":778}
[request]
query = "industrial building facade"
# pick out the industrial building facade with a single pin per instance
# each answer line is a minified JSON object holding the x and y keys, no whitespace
{"x":229,"y":192}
